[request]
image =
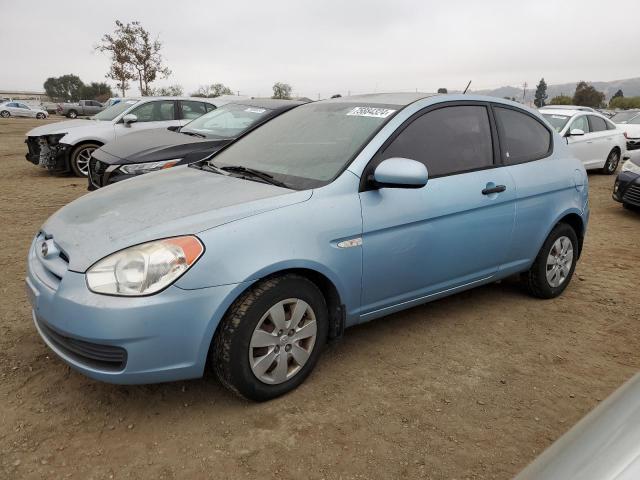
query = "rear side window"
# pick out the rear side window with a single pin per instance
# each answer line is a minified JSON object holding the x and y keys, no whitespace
{"x":210,"y":107}
{"x":610,"y":125}
{"x":191,"y":109}
{"x":522,"y":137}
{"x":448,"y":140}
{"x":597,"y":124}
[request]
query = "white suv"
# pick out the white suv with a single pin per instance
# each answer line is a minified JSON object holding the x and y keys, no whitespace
{"x":67,"y":146}
{"x":592,"y":137}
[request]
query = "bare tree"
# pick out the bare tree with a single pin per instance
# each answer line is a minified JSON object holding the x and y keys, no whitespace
{"x":211,"y":91}
{"x":170,"y":91}
{"x":118,"y":46}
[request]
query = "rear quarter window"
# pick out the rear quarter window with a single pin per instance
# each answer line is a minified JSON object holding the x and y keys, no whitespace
{"x":523,"y":138}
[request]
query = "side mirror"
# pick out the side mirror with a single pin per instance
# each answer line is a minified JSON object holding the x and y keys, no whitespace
{"x":129,"y":118}
{"x":400,"y":173}
{"x":576,"y":132}
{"x":174,"y":128}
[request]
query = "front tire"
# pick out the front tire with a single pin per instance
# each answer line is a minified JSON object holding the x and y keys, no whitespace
{"x":612,"y":162}
{"x":553,"y":268}
{"x":72,"y":114}
{"x":39,"y":116}
{"x":80,"y":159}
{"x":271,"y":337}
{"x":5,"y":114}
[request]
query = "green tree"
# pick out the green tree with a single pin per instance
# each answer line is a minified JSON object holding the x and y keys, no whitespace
{"x":65,"y":88}
{"x":587,"y":96}
{"x":117,"y":45}
{"x":282,"y":91}
{"x":618,"y":94}
{"x":212,"y":91}
{"x":561,"y":100}
{"x":170,"y":91}
{"x":541,"y":96}
{"x":99,"y":91}
{"x":443,"y":90}
{"x":624,"y":103}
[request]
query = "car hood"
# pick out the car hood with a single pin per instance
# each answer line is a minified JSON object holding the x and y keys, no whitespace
{"x":156,"y":145}
{"x":179,"y":201}
{"x":64,"y":127}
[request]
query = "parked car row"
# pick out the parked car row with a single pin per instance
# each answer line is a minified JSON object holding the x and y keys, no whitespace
{"x":81,"y":108}
{"x":292,"y":222}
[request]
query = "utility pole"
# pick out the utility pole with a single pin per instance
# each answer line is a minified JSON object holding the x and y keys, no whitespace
{"x":524,"y":91}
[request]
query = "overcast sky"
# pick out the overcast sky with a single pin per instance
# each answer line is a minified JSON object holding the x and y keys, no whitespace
{"x":331,"y":46}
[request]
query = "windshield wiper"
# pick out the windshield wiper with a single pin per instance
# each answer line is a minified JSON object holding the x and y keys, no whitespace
{"x":264,"y":176}
{"x":193,"y":134}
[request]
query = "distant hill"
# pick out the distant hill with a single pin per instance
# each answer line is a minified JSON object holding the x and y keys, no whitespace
{"x":630,"y":87}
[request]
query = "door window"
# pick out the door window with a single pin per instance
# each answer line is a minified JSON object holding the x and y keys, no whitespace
{"x":210,"y":107}
{"x":160,"y":111}
{"x":448,"y":140}
{"x":522,"y":137}
{"x":191,"y":109}
{"x":580,"y":123}
{"x":597,"y":124}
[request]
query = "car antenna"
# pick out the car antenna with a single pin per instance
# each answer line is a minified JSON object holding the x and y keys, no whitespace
{"x":468,"y":85}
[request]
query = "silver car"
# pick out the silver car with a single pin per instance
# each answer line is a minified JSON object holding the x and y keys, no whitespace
{"x":17,"y":109}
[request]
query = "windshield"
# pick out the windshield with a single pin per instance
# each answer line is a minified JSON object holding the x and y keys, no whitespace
{"x":113,"y":111}
{"x":227,"y":121}
{"x":557,"y":121}
{"x":310,"y":145}
{"x":624,"y":117}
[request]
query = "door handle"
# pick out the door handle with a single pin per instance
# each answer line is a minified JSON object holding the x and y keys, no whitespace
{"x":496,"y":189}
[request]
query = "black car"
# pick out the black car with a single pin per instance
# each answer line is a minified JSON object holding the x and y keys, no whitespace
{"x":157,"y":149}
{"x":626,"y":190}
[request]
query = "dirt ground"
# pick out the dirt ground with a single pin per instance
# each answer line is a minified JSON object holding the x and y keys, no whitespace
{"x":472,"y":386}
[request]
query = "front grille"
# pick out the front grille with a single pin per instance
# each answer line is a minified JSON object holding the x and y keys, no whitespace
{"x":95,"y":355}
{"x":632,"y":195}
{"x":633,"y":144}
{"x":96,"y":171}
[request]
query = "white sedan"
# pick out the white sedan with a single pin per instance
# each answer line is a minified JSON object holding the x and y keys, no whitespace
{"x":17,"y":109}
{"x":592,"y":137}
{"x":629,"y":123}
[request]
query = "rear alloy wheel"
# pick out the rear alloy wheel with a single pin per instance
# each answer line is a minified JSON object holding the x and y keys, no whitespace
{"x":553,"y":268}
{"x":80,"y":159}
{"x":612,"y":162}
{"x":72,"y":114}
{"x":5,"y":114}
{"x":271,"y":337}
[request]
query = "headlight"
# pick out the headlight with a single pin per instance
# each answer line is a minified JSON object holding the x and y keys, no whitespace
{"x":144,"y":269}
{"x":629,"y":166}
{"x":55,"y":139}
{"x":136,"y":168}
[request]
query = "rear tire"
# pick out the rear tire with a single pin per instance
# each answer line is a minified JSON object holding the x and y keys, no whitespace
{"x":39,"y":116}
{"x":80,"y":157}
{"x":5,"y":114}
{"x":612,"y":162}
{"x":555,"y":263}
{"x":72,"y":114}
{"x":279,"y":322}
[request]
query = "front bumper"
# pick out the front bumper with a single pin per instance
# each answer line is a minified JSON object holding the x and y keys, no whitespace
{"x":135,"y":340}
{"x":53,"y":158}
{"x":626,"y":188}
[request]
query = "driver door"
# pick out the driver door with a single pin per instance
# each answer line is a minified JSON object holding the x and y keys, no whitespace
{"x":582,"y":146}
{"x":449,"y":234}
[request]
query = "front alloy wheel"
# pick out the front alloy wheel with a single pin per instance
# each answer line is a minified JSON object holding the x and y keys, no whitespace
{"x":271,"y":337}
{"x":80,"y":159}
{"x":559,"y":261}
{"x":283,"y":341}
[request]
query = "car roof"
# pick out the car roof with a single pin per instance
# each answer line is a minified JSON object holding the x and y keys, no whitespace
{"x":568,"y":107}
{"x":270,"y":103}
{"x":399,"y":99}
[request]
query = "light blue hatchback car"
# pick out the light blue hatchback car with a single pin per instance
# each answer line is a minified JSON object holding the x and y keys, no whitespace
{"x":333,"y":214}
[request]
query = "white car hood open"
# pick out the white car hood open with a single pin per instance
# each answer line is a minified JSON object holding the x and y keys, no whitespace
{"x":178,"y":201}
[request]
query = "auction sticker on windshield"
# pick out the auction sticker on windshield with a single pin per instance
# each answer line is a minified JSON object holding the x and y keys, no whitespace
{"x":371,"y":112}
{"x":254,"y":110}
